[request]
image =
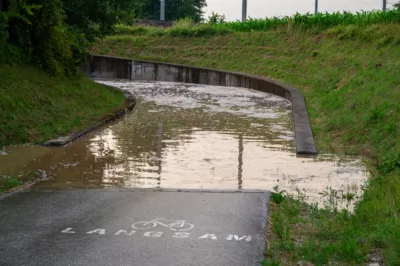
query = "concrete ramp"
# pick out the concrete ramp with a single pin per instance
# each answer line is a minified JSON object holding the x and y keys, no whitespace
{"x":125,"y":227}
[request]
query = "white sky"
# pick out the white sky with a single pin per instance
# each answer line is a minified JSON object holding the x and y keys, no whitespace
{"x":232,"y":9}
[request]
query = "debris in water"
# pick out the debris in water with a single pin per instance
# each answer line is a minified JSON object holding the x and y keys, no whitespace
{"x":69,"y":164}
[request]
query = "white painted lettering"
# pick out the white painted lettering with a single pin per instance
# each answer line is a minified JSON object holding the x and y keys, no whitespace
{"x":237,"y":238}
{"x":98,"y":231}
{"x":125,"y":233}
{"x":153,"y":234}
{"x":68,"y":231}
{"x":181,"y":235}
{"x":210,"y":236}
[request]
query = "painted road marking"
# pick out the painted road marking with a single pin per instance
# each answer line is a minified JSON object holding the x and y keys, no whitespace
{"x":173,"y":225}
{"x":181,"y":235}
{"x":208,"y":236}
{"x":99,"y":231}
{"x":68,"y":231}
{"x":237,"y":238}
{"x":125,"y":233}
{"x":157,"y":234}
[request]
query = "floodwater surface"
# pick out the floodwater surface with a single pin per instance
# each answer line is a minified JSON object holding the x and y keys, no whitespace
{"x":195,"y":137}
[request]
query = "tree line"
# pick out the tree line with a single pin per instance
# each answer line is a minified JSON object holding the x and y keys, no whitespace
{"x":56,"y":34}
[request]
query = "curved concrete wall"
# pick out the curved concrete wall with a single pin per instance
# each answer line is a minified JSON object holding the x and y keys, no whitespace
{"x":104,"y":67}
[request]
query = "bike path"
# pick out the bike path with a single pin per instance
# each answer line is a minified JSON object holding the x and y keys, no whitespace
{"x":127,"y":227}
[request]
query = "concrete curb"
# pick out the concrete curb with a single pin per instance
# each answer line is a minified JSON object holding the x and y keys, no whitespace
{"x":65,"y":140}
{"x":106,"y":67}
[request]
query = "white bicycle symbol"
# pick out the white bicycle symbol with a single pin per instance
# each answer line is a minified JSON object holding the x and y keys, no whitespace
{"x":174,"y":225}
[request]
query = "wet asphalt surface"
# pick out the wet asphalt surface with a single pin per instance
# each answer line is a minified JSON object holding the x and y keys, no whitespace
{"x":132,"y":227}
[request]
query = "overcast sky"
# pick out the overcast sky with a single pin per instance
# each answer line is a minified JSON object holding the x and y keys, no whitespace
{"x":268,"y":8}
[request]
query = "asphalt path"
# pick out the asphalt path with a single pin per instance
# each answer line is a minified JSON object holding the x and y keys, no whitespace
{"x":132,"y":227}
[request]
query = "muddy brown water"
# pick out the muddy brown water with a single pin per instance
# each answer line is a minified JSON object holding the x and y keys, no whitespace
{"x":195,"y":137}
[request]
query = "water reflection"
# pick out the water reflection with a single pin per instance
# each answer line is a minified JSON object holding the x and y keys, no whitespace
{"x":195,"y":137}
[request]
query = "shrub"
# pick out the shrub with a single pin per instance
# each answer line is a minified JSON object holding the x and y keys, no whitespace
{"x":216,"y":18}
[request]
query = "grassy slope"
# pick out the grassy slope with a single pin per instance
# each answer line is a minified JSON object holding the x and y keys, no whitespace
{"x":331,"y":73}
{"x":351,"y":80}
{"x":35,"y":107}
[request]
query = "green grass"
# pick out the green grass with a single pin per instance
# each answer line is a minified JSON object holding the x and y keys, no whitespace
{"x":319,"y":21}
{"x":35,"y":107}
{"x":183,"y":28}
{"x":350,"y":76}
{"x":8,"y":182}
{"x":316,"y":23}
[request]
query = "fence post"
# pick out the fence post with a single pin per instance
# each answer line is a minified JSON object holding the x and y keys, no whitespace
{"x":244,"y":10}
{"x":162,"y":9}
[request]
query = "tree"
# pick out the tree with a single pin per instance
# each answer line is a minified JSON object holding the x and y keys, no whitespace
{"x":175,"y":9}
{"x":96,"y":18}
{"x":55,"y":34}
{"x":397,"y":5}
{"x":35,"y":31}
{"x":216,"y":18}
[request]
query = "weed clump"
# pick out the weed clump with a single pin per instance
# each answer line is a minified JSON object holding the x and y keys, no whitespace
{"x":277,"y":196}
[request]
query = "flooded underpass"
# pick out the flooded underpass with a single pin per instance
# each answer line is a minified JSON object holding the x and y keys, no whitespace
{"x":188,"y":136}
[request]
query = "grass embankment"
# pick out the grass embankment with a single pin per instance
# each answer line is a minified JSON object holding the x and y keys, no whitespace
{"x":35,"y":107}
{"x":350,"y":76}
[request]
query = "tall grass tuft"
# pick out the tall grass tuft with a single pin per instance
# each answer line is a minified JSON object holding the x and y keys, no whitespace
{"x":310,"y":21}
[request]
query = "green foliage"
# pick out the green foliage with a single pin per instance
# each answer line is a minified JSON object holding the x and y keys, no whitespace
{"x":121,"y":29}
{"x":201,"y":30}
{"x":184,"y":23}
{"x":310,"y":21}
{"x":11,"y":182}
{"x":216,"y":18}
{"x":277,"y":196}
{"x":3,"y":31}
{"x":345,"y":25}
{"x":55,"y":34}
{"x":186,"y":8}
{"x":97,"y":18}
{"x":381,"y":34}
{"x":181,"y":28}
{"x":269,"y":262}
{"x":174,"y":10}
{"x":390,"y":163}
{"x":8,"y":182}
{"x":51,"y":42}
{"x":13,"y":55}
{"x":37,"y":30}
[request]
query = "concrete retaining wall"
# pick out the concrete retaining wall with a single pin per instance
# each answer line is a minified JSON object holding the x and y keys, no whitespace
{"x":103,"y":67}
